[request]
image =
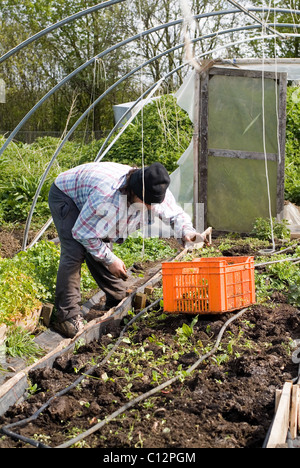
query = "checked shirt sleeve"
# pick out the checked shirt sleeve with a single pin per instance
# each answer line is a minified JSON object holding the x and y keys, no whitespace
{"x":93,"y":225}
{"x":170,"y":212}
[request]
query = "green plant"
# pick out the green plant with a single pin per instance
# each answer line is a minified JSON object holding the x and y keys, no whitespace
{"x":19,"y":293}
{"x":20,"y":343}
{"x":186,"y":331}
{"x":17,"y":195}
{"x":32,"y":389}
{"x":294,"y":291}
{"x":137,"y":249}
{"x":41,"y":262}
{"x":281,"y":277}
{"x":292,"y":165}
{"x":262,"y":229}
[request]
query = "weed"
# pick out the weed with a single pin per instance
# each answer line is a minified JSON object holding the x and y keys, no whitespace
{"x":74,"y":432}
{"x":19,"y":343}
{"x":45,"y":439}
{"x":32,"y":389}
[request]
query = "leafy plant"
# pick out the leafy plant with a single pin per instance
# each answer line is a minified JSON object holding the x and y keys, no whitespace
{"x":136,"y":249}
{"x":262,"y":229}
{"x":19,"y":293}
{"x":20,"y":343}
{"x":41,"y":262}
{"x":281,"y":277}
{"x":292,"y":166}
{"x":294,"y":292}
{"x":17,"y":194}
{"x":186,"y":331}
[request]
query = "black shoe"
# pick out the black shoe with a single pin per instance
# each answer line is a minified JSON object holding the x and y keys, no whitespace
{"x":71,"y":327}
{"x":110,"y":304}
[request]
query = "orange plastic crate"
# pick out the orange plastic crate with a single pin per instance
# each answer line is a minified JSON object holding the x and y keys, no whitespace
{"x":208,"y":285}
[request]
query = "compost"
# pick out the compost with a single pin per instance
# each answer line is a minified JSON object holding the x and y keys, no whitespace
{"x":227,"y":402}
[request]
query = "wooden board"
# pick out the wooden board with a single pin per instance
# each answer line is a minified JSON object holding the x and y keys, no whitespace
{"x":281,"y":422}
{"x":295,"y":233}
{"x":294,"y":411}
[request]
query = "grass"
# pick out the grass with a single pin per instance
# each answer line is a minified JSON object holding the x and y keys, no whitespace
{"x":20,"y":343}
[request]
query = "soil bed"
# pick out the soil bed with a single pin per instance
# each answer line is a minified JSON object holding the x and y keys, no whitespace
{"x":227,"y":402}
{"x":222,"y":404}
{"x":11,"y":240}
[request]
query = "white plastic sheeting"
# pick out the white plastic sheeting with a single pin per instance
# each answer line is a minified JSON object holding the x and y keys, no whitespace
{"x":181,"y":185}
{"x":182,"y":177}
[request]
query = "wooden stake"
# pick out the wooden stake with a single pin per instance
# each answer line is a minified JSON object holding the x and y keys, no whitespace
{"x":148,"y":290}
{"x":47,"y":313}
{"x":140,"y":300}
{"x":294,"y":412}
{"x":280,"y":426}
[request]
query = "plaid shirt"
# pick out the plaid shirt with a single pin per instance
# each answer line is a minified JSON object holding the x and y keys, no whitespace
{"x":104,"y":213}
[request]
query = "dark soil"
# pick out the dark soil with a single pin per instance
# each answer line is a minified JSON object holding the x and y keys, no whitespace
{"x":11,"y":240}
{"x":228,"y":405}
{"x":10,"y":243}
{"x":227,"y":402}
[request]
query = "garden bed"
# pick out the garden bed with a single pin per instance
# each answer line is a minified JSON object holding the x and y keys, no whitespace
{"x":227,"y":401}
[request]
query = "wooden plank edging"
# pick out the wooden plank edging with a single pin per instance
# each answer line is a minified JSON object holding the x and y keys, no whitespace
{"x":280,"y":427}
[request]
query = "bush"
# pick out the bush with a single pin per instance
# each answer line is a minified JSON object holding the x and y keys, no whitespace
{"x":163,"y":134}
{"x":262,"y":229}
{"x":292,"y":166}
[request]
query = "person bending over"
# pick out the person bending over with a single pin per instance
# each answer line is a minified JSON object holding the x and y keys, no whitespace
{"x":93,"y":206}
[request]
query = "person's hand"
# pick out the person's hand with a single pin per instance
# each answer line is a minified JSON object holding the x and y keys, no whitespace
{"x":118,"y":269}
{"x":192,"y":238}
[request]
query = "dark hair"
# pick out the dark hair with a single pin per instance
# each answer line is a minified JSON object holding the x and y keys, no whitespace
{"x":126,"y":189}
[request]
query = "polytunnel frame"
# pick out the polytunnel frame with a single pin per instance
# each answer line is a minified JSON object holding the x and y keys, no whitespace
{"x":128,"y":111}
{"x":120,"y":44}
{"x":261,"y":25}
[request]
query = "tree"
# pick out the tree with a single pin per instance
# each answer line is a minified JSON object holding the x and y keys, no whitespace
{"x":276,"y":47}
{"x":33,"y":71}
{"x":36,"y":69}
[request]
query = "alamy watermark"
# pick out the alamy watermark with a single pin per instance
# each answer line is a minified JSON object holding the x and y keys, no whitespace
{"x":296,"y":353}
{"x":122,"y":219}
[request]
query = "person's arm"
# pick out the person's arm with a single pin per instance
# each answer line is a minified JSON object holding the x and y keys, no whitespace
{"x":91,"y":227}
{"x":170,"y":212}
{"x":173,"y":215}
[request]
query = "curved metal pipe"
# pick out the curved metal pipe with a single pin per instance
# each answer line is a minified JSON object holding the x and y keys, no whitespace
{"x":256,"y":18}
{"x":61,"y":23}
{"x":85,"y":65}
{"x":111,"y":2}
{"x":286,"y":25}
{"x":116,"y":46}
{"x":28,"y":222}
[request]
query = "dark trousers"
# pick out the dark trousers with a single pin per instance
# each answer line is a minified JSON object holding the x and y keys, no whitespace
{"x":73,"y":254}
